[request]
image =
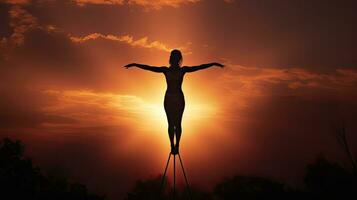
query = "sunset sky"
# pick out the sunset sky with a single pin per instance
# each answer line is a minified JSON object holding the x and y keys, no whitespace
{"x":290,"y":79}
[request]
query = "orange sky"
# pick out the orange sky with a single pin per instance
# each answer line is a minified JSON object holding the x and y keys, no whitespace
{"x":286,"y":82}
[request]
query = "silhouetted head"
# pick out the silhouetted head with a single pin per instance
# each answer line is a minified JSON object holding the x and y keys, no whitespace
{"x":175,"y":58}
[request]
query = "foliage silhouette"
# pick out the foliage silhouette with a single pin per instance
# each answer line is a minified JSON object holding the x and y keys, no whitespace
{"x":250,"y":187}
{"x":341,"y":135}
{"x":147,"y":189}
{"x":20,"y":179}
{"x":150,"y":190}
{"x":329,"y":180}
{"x":323,"y":180}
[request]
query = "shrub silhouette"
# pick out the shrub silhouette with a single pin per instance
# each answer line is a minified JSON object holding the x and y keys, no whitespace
{"x":147,"y":189}
{"x":249,"y":188}
{"x":150,"y":190}
{"x":329,"y":180}
{"x":20,"y":179}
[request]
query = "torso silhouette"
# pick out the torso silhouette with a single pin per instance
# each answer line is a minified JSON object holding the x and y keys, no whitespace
{"x":174,"y":102}
{"x":174,"y":79}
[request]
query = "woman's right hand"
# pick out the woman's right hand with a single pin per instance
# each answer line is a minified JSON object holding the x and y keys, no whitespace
{"x":218,"y":64}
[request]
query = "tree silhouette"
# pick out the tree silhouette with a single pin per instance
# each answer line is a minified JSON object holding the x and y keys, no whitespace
{"x":147,"y":189}
{"x":329,"y":180}
{"x":250,"y":187}
{"x":20,"y":179}
{"x":150,"y":190}
{"x":342,"y":139}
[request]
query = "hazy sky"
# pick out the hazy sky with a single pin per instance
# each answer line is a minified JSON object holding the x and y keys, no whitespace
{"x":290,"y":79}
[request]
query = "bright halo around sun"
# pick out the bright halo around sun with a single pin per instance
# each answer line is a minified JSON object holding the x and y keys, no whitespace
{"x":153,"y":116}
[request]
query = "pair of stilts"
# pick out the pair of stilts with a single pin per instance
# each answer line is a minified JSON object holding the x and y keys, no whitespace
{"x":174,"y":154}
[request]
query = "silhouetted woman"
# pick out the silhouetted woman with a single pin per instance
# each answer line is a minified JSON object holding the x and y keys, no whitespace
{"x":174,"y":102}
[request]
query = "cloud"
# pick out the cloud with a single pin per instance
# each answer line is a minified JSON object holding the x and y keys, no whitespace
{"x":158,"y":4}
{"x":99,"y":2}
{"x":246,"y":85}
{"x":49,"y":109}
{"x":293,"y":77}
{"x":21,"y":21}
{"x":161,"y":3}
{"x":229,"y":1}
{"x":109,"y":109}
{"x":27,"y":40}
{"x":18,"y":2}
{"x":89,"y":107}
{"x":18,"y":22}
{"x":142,"y":42}
{"x":18,"y":113}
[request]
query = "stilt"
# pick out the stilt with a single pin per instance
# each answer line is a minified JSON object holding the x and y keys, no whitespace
{"x":174,"y":177}
{"x":184,"y":175}
{"x":163,"y":177}
{"x":174,"y":193}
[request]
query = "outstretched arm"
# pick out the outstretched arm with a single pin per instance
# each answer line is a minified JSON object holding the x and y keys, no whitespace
{"x":146,"y":67}
{"x":203,"y":66}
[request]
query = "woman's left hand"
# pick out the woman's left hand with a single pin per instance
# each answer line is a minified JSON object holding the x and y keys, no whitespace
{"x":130,"y":65}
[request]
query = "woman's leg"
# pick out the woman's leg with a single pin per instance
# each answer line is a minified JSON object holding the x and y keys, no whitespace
{"x":178,"y":127}
{"x":171,"y":130}
{"x":174,"y":106}
{"x":170,"y":122}
{"x":178,"y":131}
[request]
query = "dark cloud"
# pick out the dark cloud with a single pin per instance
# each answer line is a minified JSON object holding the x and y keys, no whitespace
{"x":21,"y":107}
{"x":279,"y":134}
{"x":85,"y":152}
{"x":315,"y":34}
{"x":4,"y":20}
{"x":53,"y":51}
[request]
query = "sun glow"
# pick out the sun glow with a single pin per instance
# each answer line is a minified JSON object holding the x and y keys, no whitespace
{"x":144,"y":117}
{"x":153,"y":115}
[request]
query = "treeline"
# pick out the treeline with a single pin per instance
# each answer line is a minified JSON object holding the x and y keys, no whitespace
{"x":323,"y":180}
{"x":20,"y":179}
